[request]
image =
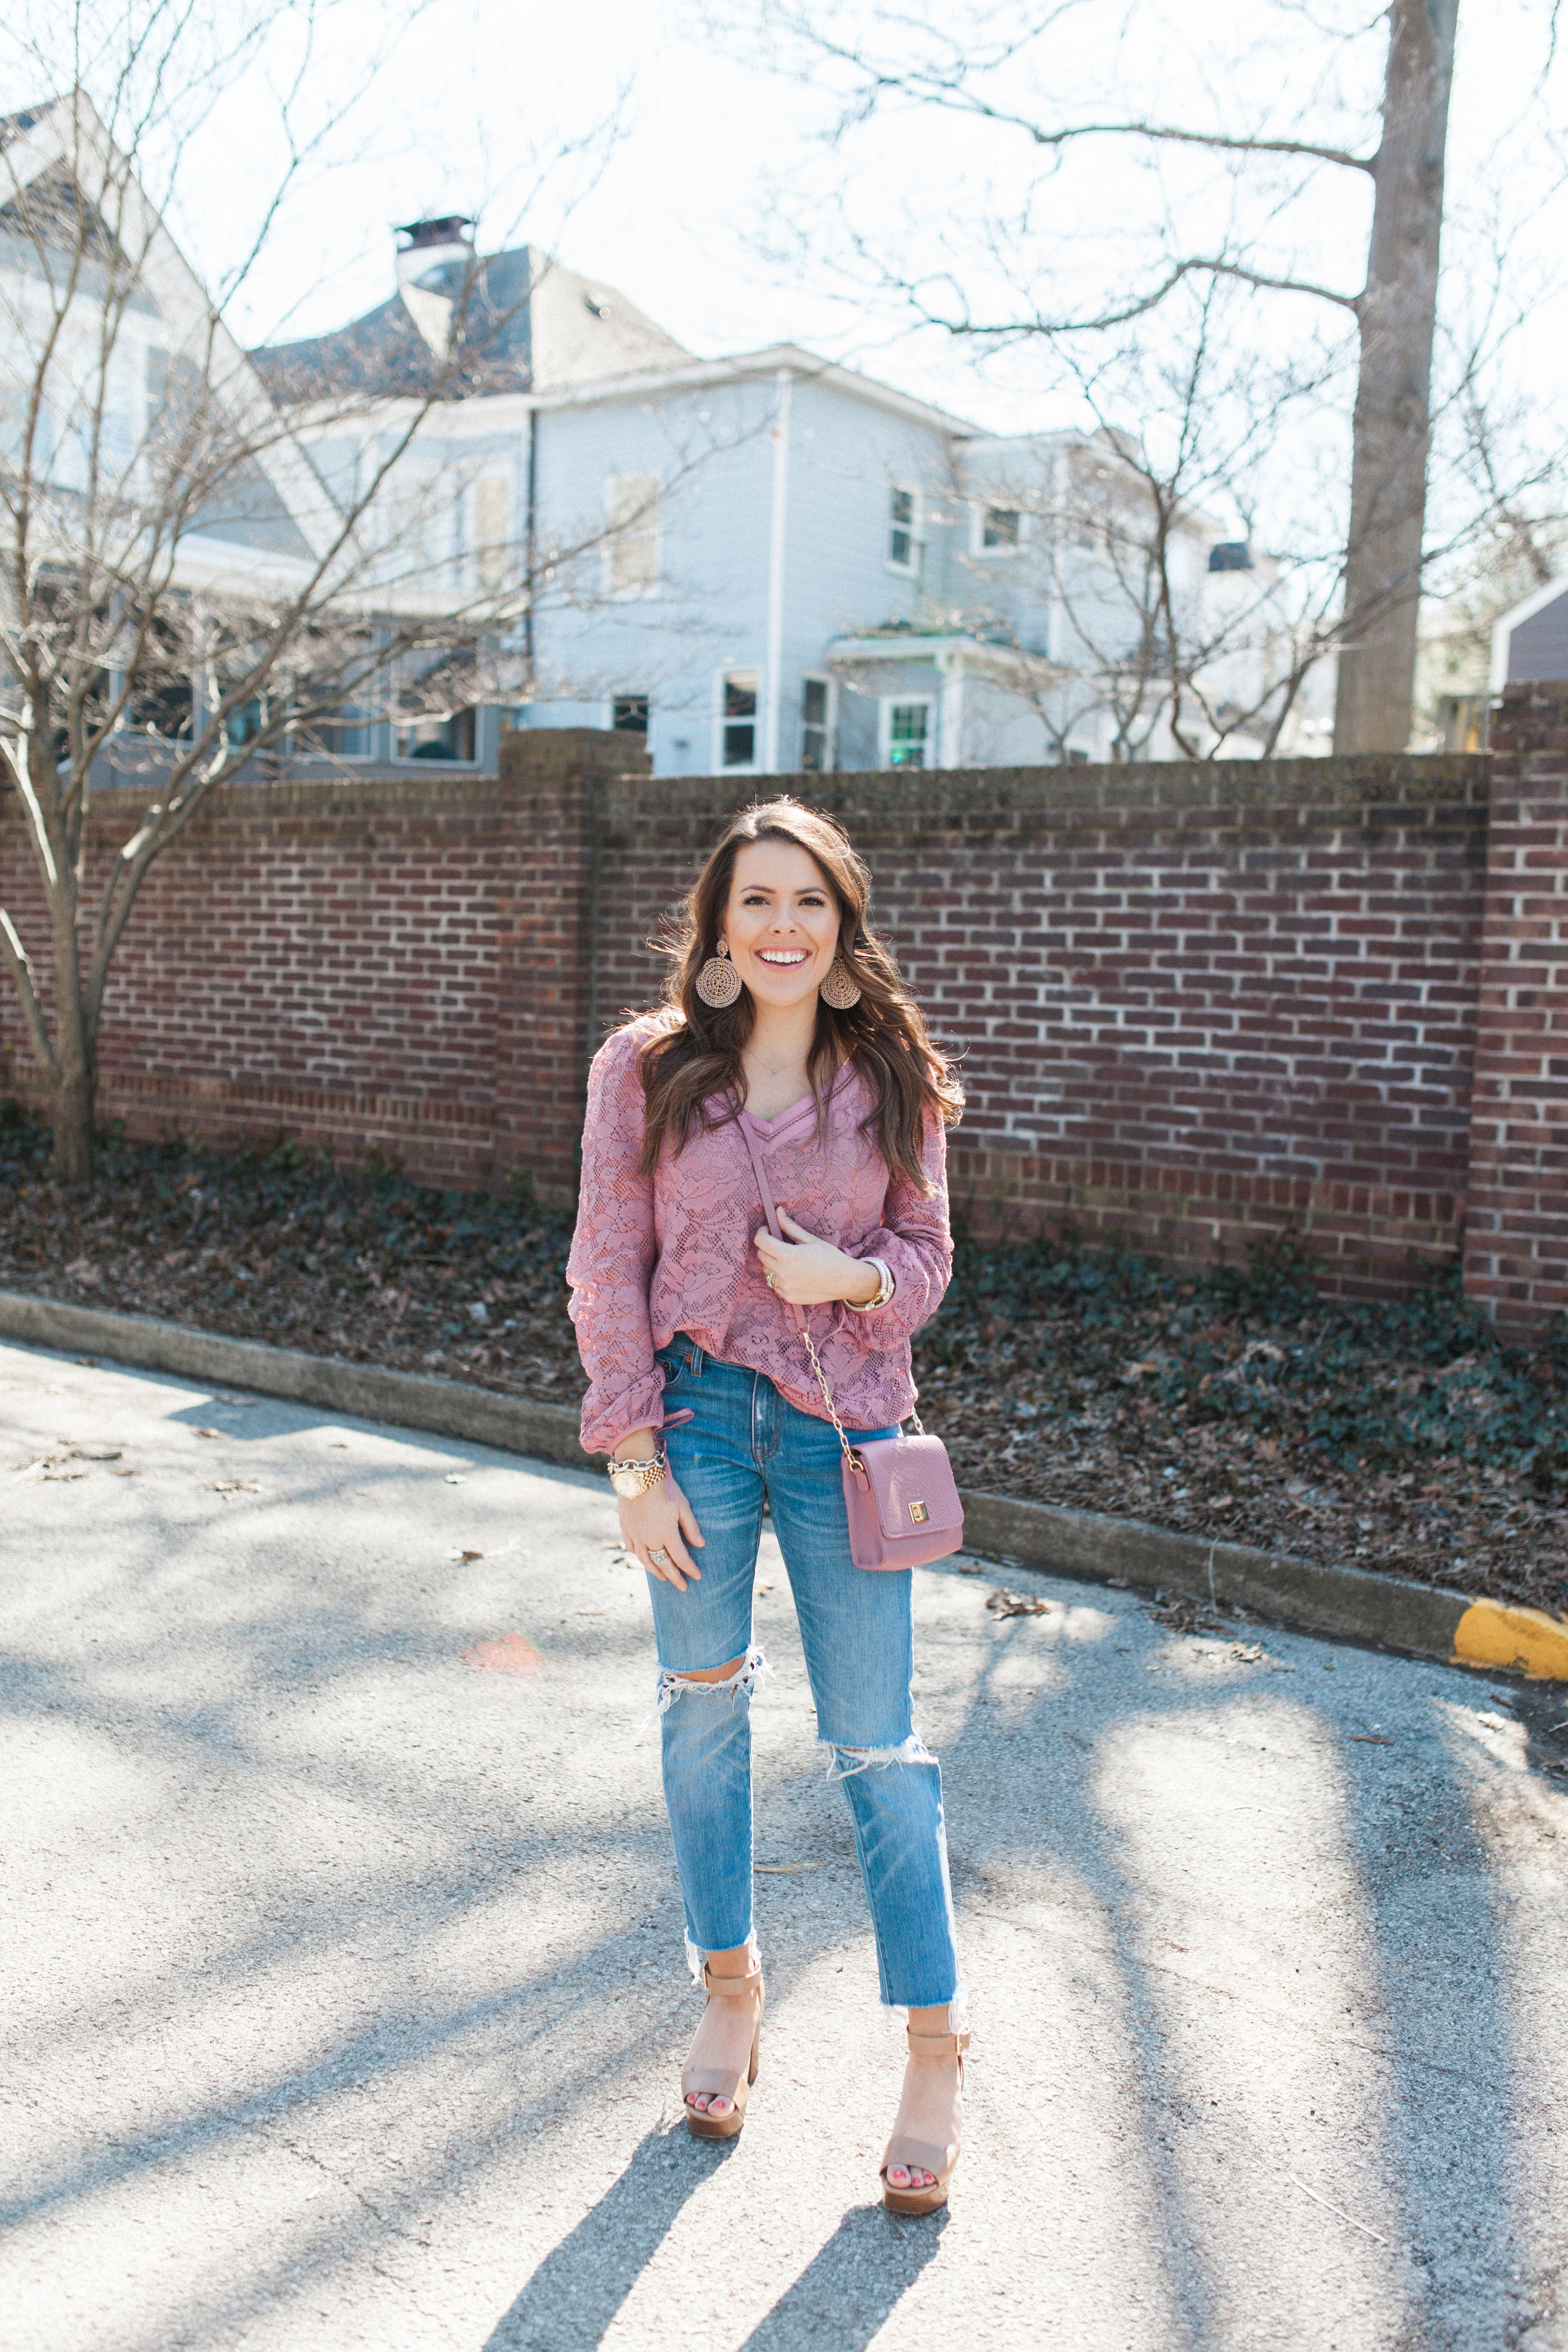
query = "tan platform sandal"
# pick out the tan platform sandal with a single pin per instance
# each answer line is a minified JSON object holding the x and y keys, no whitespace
{"x":925,"y":2154}
{"x":714,"y":2082}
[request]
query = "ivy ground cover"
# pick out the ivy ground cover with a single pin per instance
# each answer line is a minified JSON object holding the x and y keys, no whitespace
{"x":1234,"y":1402}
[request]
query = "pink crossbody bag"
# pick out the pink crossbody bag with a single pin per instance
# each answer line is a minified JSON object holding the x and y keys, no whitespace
{"x":900,"y":1492}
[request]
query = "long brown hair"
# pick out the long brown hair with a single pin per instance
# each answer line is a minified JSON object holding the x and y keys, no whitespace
{"x":697,"y":1056}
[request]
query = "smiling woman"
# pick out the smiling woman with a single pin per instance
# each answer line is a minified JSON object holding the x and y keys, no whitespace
{"x":783,"y":899}
{"x":788,"y":1043}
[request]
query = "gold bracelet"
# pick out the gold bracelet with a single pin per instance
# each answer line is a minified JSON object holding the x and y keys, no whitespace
{"x":883,"y":1293}
{"x":636,"y":1477}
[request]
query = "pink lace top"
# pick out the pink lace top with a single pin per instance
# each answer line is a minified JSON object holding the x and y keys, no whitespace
{"x":654,"y":1255}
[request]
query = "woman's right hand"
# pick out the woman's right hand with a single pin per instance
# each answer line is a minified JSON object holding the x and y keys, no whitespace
{"x":657,"y":1521}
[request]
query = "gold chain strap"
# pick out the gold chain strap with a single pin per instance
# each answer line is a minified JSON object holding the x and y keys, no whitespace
{"x":849,"y":1456}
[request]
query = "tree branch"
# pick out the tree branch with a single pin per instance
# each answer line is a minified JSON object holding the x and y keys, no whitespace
{"x":952,"y":101}
{"x":1195,"y":265}
{"x":21,"y":966}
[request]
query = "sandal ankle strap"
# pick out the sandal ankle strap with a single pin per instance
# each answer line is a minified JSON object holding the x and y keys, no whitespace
{"x":938,"y":2045}
{"x":730,"y":1988}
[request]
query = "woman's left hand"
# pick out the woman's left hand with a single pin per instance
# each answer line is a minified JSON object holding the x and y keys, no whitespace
{"x":810,"y":1272}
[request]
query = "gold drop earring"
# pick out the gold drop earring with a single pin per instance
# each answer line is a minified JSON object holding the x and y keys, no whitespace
{"x":840,"y":990}
{"x":718,"y":982}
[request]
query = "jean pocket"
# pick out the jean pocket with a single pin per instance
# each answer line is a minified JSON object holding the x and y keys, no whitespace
{"x":671,"y":1363}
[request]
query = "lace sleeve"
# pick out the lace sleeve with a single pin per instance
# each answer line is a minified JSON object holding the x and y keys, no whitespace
{"x":613,"y":1252}
{"x":915,"y":1241}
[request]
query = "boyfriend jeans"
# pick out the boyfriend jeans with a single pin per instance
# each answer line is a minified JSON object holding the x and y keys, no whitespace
{"x":743,"y":1441}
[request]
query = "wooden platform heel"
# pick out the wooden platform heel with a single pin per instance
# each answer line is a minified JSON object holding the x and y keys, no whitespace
{"x":904,"y":2150}
{"x":716,"y":2082}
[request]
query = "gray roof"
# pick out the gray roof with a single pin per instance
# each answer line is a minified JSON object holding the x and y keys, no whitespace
{"x":525,"y":324}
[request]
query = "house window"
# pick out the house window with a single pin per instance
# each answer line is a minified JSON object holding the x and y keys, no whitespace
{"x":814,"y":724}
{"x":739,"y":722}
{"x":1000,"y":530}
{"x":165,"y":706}
{"x":492,"y":528}
{"x":903,"y":548}
{"x":245,"y":723}
{"x":631,"y":514}
{"x":906,"y":728}
{"x":631,"y":714}
{"x":435,"y":714}
{"x":450,"y":738}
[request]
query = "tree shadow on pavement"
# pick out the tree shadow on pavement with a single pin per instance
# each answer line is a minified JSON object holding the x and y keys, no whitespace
{"x":850,"y":2287}
{"x":570,"y":2302}
{"x":1271,"y":1893}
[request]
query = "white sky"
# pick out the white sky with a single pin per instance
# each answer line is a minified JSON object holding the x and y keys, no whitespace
{"x":473,"y":100}
{"x":472,"y":94}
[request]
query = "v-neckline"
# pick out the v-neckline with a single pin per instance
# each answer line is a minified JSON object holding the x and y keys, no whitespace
{"x":770,"y":1129}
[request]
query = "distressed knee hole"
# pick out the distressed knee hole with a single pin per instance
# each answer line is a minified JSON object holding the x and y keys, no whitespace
{"x":740,"y":1681}
{"x":843,"y":1763}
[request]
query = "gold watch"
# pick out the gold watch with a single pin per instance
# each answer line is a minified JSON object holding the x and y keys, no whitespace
{"x":631,"y":1479}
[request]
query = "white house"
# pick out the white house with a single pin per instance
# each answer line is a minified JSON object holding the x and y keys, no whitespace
{"x":761,"y":563}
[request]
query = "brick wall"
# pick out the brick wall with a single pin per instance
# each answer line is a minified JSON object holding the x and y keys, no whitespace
{"x":391,"y":964}
{"x":1194,"y":1005}
{"x":1516,"y":1252}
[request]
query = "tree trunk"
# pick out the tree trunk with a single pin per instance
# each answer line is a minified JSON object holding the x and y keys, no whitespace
{"x":75,"y":1069}
{"x":74,"y":1159}
{"x":1391,"y":429}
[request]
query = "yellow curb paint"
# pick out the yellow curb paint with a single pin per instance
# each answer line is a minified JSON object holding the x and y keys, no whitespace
{"x":1489,"y":1635}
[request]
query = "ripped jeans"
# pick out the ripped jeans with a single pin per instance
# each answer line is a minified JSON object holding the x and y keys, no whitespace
{"x":743,"y":1441}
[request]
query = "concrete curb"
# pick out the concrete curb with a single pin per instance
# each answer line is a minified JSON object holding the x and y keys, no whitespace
{"x":1348,"y":1603}
{"x":412,"y":1399}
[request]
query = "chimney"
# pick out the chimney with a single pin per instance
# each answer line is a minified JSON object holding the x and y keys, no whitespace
{"x":434,"y":266}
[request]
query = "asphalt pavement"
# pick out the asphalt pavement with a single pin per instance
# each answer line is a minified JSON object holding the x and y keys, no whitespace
{"x":341,"y":1995}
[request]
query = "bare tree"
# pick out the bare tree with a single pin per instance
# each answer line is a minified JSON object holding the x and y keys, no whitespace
{"x":1170,"y":631}
{"x":182,"y":593}
{"x":972,"y":66}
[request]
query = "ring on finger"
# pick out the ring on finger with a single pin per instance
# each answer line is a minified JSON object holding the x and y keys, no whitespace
{"x":660,"y":1557}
